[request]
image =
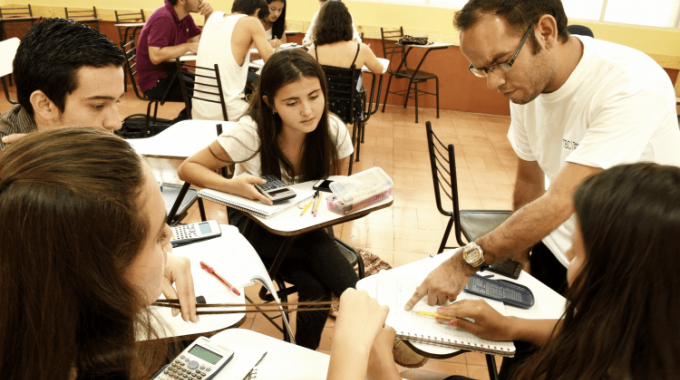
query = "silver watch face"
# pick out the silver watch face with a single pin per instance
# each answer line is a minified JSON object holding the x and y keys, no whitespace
{"x":473,"y":255}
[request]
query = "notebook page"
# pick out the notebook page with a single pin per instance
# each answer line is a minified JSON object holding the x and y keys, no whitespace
{"x":395,"y":291}
{"x":267,"y":210}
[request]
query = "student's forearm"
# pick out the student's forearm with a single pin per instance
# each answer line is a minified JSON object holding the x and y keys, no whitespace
{"x":381,"y":367}
{"x":535,"y":331}
{"x":160,"y":55}
{"x":349,"y":361}
{"x":199,"y":175}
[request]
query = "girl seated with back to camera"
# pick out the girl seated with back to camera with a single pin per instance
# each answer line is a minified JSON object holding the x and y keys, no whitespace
{"x":623,"y":301}
{"x":84,"y":250}
{"x":334,"y":48}
{"x":287,"y":133}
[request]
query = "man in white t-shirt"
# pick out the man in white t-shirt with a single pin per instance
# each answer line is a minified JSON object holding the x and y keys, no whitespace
{"x":226,"y":40}
{"x":578,"y":106}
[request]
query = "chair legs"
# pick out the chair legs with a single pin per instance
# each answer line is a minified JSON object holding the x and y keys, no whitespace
{"x":416,"y":97}
{"x":491,"y":365}
{"x":387,"y":92}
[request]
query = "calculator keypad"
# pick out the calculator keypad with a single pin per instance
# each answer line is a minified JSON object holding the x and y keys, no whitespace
{"x":183,"y":368}
{"x":184,"y":232}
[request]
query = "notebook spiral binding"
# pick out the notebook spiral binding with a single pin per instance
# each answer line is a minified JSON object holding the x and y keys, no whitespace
{"x":253,"y":374}
{"x":454,"y":343}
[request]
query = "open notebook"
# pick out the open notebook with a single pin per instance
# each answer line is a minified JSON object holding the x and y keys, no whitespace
{"x":256,"y":208}
{"x":394,"y":291}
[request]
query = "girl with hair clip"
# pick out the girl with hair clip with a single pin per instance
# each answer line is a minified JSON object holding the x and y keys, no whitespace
{"x":84,"y":250}
{"x":288,"y":133}
{"x":621,"y":320}
{"x":275,"y":23}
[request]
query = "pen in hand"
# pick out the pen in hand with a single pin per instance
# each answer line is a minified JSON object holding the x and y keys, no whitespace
{"x":210,"y":270}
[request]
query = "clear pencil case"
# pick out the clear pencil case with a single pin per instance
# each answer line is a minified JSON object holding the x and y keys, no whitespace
{"x":359,"y":191}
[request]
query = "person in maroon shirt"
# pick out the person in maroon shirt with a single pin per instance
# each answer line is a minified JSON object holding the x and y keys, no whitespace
{"x":170,"y":32}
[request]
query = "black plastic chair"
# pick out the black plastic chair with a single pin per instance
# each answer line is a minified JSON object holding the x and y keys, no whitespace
{"x":130,"y":51}
{"x":206,"y":83}
{"x":84,"y":16}
{"x":124,"y":32}
{"x":471,"y":224}
{"x":390,"y":39}
{"x":342,"y":90}
{"x":580,"y":30}
{"x":24,"y":16}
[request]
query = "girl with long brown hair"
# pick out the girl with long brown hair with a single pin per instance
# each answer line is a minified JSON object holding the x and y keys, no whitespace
{"x":83,"y":252}
{"x":621,"y":320}
{"x":288,"y":133}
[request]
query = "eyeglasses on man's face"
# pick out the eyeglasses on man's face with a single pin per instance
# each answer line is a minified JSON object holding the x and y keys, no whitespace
{"x":483,"y":72}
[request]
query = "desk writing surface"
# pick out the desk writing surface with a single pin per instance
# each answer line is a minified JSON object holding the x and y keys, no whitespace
{"x":232,"y":256}
{"x":130,"y":24}
{"x":259,"y":64}
{"x":431,"y":46}
{"x":290,"y":219}
{"x":548,"y":304}
{"x":181,"y":140}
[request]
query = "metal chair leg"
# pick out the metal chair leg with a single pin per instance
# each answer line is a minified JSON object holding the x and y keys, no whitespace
{"x":447,"y":232}
{"x":387,"y":92}
{"x":416,"y":85}
{"x":436,"y":79}
{"x":201,"y":210}
{"x":491,"y":365}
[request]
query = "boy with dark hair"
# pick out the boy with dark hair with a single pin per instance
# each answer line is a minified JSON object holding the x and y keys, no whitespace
{"x":67,"y":74}
{"x":226,"y":41}
{"x":170,"y":32}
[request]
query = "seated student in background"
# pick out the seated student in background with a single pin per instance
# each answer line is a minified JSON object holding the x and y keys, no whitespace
{"x":275,"y":23}
{"x":334,"y":48}
{"x":289,"y":134}
{"x":226,"y":41}
{"x":78,"y":80}
{"x":623,"y":296}
{"x":309,"y":36}
{"x":170,"y":32}
{"x":85,"y":251}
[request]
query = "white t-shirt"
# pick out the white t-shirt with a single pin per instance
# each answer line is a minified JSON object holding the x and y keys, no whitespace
{"x":215,"y":48}
{"x":617,"y":107}
{"x":268,"y":33}
{"x":309,"y":36}
{"x":241,"y":142}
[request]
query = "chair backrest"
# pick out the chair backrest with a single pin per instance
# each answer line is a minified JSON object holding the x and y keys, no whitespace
{"x":16,"y":11}
{"x":342,"y":87}
{"x":130,"y":50}
{"x":389,"y":43}
{"x":580,"y":30}
{"x":80,"y":14}
{"x":443,"y":166}
{"x":128,"y":18}
{"x":206,"y":83}
{"x":8,"y":49}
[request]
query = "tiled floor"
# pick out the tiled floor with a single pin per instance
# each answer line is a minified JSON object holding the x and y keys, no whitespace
{"x":412,"y":228}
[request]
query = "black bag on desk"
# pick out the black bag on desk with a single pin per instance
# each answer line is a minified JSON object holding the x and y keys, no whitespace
{"x":410,"y":40}
{"x":134,"y":126}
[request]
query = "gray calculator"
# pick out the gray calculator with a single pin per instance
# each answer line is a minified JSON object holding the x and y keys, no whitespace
{"x":275,"y":190}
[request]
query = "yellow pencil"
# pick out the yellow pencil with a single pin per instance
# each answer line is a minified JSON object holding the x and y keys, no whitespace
{"x":433,"y":315}
{"x":307,"y":207}
{"x":316,"y":206}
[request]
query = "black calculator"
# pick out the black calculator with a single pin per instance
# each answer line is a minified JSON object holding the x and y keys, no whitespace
{"x":507,"y":292}
{"x":275,"y":190}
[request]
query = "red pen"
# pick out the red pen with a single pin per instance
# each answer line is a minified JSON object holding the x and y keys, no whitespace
{"x":210,"y":270}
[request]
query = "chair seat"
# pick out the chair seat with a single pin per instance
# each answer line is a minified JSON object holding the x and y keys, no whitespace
{"x":477,"y":223}
{"x":422,"y":75}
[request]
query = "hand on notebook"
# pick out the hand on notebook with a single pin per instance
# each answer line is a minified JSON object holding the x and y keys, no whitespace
{"x":444,"y":283}
{"x":243,"y":185}
{"x":178,"y":271}
{"x":488,"y":323}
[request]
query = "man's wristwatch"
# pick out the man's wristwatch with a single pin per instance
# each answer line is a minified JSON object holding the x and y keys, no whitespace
{"x":474,"y":256}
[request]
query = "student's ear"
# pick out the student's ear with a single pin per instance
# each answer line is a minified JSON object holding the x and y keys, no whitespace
{"x":547,"y":28}
{"x":266,"y":100}
{"x":44,"y":108}
{"x":256,"y":13}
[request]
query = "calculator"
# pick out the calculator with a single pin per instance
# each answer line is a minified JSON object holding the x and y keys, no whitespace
{"x":202,"y":360}
{"x":275,"y":190}
{"x":189,"y":233}
{"x":509,"y":293}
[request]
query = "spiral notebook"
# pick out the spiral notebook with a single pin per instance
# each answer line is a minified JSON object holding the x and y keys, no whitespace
{"x":256,"y":208}
{"x":394,"y":291}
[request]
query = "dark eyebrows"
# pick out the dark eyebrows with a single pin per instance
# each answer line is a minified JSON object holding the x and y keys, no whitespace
{"x":296,"y":98}
{"x":497,"y":57}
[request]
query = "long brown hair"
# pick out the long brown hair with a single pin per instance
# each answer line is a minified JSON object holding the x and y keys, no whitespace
{"x":320,"y":152}
{"x":333,"y":24}
{"x":71,"y":226}
{"x":622,"y":318}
